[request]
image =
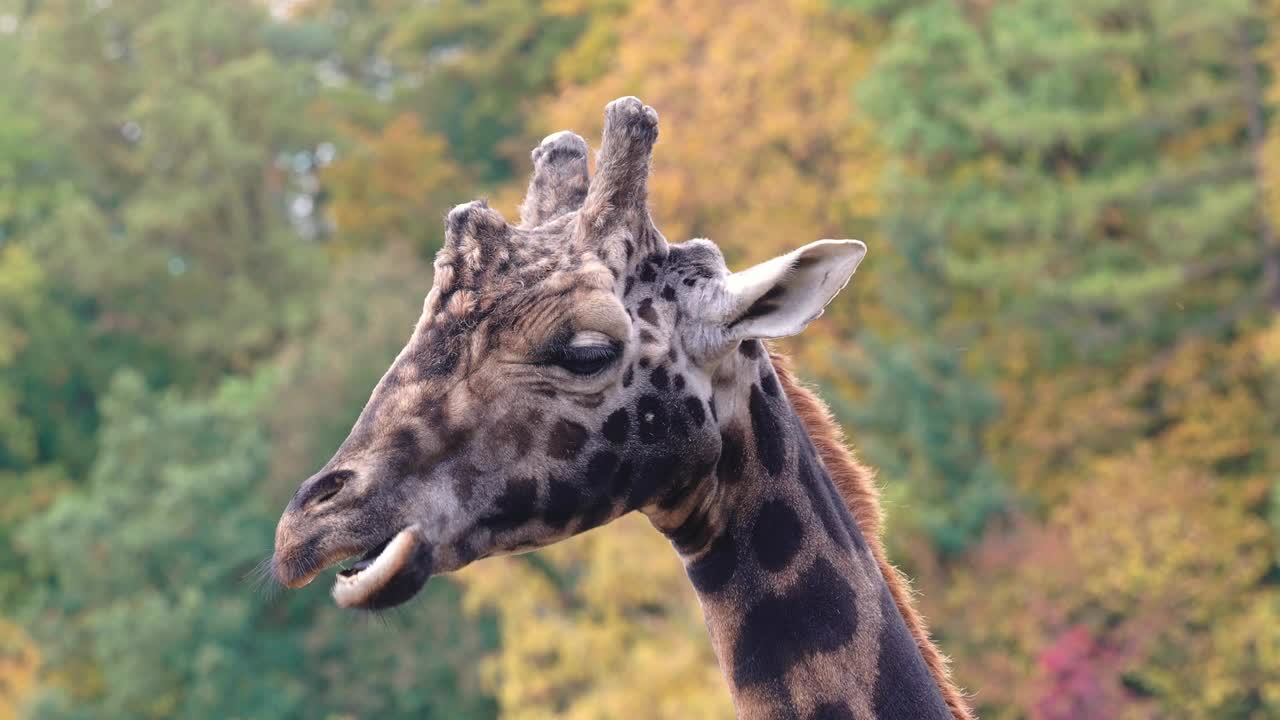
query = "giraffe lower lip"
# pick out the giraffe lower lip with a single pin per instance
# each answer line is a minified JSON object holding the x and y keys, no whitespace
{"x":389,"y":574}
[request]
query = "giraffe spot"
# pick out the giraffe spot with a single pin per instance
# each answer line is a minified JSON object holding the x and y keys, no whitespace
{"x":651,"y":419}
{"x":466,"y":553}
{"x":815,"y":615}
{"x":455,"y":437}
{"x":768,"y":382}
{"x":659,"y":378}
{"x":833,"y":711}
{"x":712,"y":572}
{"x":403,"y":440}
{"x":443,"y":339}
{"x":596,"y":514}
{"x":620,"y":484}
{"x":654,"y":473}
{"x":563,"y":501}
{"x":827,"y":503}
{"x":567,"y":439}
{"x":521,"y":440}
{"x":513,"y":434}
{"x":768,"y":430}
{"x":403,"y":452}
{"x":668,"y":293}
{"x":617,"y":426}
{"x":465,"y":476}
{"x":514,"y":507}
{"x":431,"y":410}
{"x":693,"y":407}
{"x":647,"y":313}
{"x":679,"y":427}
{"x":730,"y":466}
{"x":601,"y":466}
{"x":776,"y":535}
{"x":904,"y":686}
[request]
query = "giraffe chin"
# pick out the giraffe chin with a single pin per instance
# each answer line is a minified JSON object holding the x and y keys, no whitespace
{"x":387,"y":575}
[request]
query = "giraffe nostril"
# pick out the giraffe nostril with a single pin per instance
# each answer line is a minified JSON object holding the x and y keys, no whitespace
{"x":328,"y":495}
{"x":323,"y":488}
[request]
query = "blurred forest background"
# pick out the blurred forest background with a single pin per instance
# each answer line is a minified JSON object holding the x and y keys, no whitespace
{"x":216,"y":226}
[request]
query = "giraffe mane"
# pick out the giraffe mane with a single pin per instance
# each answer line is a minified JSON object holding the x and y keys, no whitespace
{"x":856,"y":484}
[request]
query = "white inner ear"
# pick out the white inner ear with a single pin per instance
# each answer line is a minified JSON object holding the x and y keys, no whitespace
{"x":781,"y":296}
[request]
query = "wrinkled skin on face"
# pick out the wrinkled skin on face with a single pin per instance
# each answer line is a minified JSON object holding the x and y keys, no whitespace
{"x":560,"y":376}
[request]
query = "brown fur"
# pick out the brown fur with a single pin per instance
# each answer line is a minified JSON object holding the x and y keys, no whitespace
{"x":856,"y":485}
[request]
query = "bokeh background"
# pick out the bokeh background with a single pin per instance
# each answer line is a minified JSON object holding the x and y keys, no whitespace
{"x":1062,"y":354}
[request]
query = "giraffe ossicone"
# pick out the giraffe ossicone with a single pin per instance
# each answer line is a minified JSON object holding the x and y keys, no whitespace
{"x":574,"y":367}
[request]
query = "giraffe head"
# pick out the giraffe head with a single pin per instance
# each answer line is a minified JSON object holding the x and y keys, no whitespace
{"x":560,"y":376}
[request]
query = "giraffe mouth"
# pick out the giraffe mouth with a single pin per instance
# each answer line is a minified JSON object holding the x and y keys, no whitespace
{"x":387,"y":575}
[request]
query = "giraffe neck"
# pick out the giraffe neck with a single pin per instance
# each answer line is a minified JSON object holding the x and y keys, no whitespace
{"x":801,"y":619}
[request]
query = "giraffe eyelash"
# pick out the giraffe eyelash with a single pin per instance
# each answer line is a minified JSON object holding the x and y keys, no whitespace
{"x":587,"y":359}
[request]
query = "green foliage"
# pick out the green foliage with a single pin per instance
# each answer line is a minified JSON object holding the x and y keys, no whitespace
{"x":21,"y":287}
{"x":148,"y":609}
{"x":925,"y":413}
{"x":1076,"y":329}
{"x":151,"y":615}
{"x":177,"y":112}
{"x":489,"y":59}
{"x":1082,"y":163}
{"x":33,"y":171}
{"x":164,"y":252}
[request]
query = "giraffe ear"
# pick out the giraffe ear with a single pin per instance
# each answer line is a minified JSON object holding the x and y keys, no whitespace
{"x":780,"y":297}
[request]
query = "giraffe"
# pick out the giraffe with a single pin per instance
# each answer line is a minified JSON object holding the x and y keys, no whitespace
{"x":576,"y":367}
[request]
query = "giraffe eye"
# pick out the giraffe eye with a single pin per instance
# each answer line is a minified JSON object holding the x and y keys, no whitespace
{"x":586,"y":359}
